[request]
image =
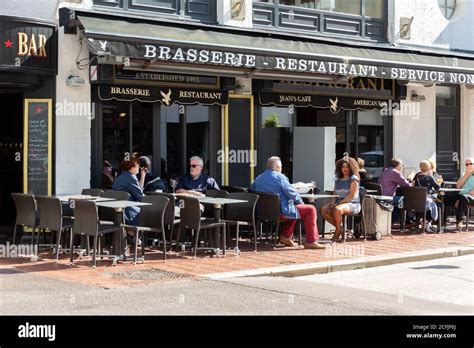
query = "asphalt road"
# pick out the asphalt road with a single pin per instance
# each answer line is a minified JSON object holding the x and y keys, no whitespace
{"x":443,"y":286}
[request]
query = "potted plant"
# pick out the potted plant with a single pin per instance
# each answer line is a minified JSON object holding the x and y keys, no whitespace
{"x":272,"y":121}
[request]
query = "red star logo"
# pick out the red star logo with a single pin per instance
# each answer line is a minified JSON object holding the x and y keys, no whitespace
{"x":38,"y":110}
{"x":8,"y":43}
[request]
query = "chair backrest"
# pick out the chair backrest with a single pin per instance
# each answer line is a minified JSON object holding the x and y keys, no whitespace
{"x":86,"y":217}
{"x":362,"y":193}
{"x":26,"y":211}
{"x":217,"y":193}
{"x":268,"y":207}
{"x":108,"y":214}
{"x":190,"y":212}
{"x":233,"y":189}
{"x":92,"y":192}
{"x":50,"y":212}
{"x":414,"y":198}
{"x":153,"y":215}
{"x":241,"y":211}
{"x":169,"y":211}
{"x":373,"y":186}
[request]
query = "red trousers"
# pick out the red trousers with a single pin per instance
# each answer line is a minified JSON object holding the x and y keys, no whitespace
{"x":309,"y":216}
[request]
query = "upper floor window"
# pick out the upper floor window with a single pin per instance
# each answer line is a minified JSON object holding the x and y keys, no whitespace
{"x":369,"y":8}
{"x":365,"y":19}
{"x":447,"y":7}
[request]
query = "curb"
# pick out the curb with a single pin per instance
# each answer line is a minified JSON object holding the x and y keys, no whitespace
{"x":345,"y":264}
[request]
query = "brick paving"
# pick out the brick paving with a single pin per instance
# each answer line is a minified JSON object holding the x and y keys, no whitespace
{"x":82,"y":272}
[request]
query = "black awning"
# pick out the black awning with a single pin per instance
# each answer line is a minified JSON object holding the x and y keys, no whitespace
{"x":164,"y":95}
{"x":334,"y":104}
{"x":122,"y":37}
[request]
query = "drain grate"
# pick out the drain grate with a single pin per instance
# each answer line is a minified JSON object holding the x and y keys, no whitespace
{"x":148,"y":274}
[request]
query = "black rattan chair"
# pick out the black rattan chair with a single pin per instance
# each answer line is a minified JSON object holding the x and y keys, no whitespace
{"x":51,"y":218}
{"x":242,"y":214}
{"x":87,"y":223}
{"x":190,"y":215}
{"x":26,"y":213}
{"x":414,"y":199}
{"x":170,"y":217}
{"x":151,"y":220}
{"x":92,"y":192}
{"x":373,"y":186}
{"x":107,"y":215}
{"x":233,"y":189}
{"x":268,"y":212}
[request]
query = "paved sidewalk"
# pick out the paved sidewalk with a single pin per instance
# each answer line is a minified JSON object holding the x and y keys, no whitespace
{"x":282,"y":261}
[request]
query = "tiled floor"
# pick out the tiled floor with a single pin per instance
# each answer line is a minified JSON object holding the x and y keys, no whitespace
{"x":81,"y":271}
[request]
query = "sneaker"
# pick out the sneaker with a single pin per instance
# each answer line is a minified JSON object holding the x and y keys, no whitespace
{"x":429,"y":228}
{"x":314,"y":245}
{"x":287,"y":241}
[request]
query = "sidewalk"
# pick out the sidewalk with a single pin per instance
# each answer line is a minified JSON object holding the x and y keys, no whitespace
{"x":282,"y":261}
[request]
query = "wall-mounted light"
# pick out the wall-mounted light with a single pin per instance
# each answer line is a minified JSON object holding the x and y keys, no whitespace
{"x":122,"y":114}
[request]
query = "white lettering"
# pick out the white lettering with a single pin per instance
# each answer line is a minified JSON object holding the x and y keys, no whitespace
{"x":150,"y":51}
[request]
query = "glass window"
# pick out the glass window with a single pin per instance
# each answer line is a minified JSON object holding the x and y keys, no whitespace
{"x":370,"y":141}
{"x":301,"y":3}
{"x":343,"y":6}
{"x":446,"y":96}
{"x":447,"y":7}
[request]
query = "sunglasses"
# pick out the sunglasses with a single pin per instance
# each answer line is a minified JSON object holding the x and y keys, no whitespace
{"x":469,"y":164}
{"x":194,"y":165}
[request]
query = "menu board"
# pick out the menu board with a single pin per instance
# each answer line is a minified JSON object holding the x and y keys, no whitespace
{"x":37,"y":150}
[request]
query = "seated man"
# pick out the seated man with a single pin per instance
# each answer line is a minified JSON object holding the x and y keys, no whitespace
{"x":391,"y":179}
{"x":151,"y":183}
{"x":291,"y":204}
{"x":196,"y":182}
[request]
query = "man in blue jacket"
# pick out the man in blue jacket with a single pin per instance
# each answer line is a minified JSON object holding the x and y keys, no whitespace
{"x":291,"y":204}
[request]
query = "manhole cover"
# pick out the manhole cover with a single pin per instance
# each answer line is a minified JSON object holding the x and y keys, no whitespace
{"x":148,"y":274}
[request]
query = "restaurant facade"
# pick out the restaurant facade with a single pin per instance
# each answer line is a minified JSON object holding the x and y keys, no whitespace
{"x":169,"y":87}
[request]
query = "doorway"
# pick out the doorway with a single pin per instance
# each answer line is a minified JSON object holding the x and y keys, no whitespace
{"x":447,"y":132}
{"x":11,"y":144}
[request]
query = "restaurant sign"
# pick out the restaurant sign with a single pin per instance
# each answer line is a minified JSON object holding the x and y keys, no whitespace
{"x":164,"y":95}
{"x":276,"y":63}
{"x":334,"y":104}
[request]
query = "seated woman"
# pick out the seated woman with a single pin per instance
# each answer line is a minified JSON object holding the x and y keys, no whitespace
{"x":127,"y":181}
{"x":346,"y":188}
{"x":364,"y":176}
{"x":424,"y":178}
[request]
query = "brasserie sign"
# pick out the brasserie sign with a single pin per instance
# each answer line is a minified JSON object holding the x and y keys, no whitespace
{"x":278,"y":63}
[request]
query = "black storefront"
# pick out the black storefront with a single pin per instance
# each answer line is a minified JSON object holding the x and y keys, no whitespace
{"x":355,"y":107}
{"x":167,"y":117}
{"x":28,"y":68}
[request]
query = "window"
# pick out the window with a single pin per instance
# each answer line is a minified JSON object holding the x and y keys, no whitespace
{"x":447,"y":7}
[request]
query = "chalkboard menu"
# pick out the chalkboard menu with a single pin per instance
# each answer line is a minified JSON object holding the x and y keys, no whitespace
{"x":37,"y":149}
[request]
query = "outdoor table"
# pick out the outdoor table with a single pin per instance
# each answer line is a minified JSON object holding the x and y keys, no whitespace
{"x":382,"y":198}
{"x":449,"y":190}
{"x":450,"y":183}
{"x":67,"y":198}
{"x":119,"y":206}
{"x":313,"y":197}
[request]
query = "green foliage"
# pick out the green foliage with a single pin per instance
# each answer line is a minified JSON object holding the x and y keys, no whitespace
{"x":272,"y":121}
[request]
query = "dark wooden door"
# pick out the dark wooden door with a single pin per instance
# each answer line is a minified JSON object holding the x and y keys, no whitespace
{"x":447,"y":132}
